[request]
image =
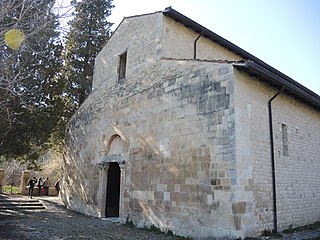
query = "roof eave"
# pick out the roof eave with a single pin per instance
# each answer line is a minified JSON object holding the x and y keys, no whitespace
{"x":254,"y":64}
{"x":291,"y":87}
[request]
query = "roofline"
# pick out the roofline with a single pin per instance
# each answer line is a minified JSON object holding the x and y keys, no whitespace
{"x":252,"y":62}
{"x":290,"y":87}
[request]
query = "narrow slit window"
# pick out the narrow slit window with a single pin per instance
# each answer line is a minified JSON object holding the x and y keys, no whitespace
{"x":285,"y":140}
{"x":122,"y":66}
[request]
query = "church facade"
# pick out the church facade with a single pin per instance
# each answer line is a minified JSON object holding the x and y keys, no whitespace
{"x":187,"y":132}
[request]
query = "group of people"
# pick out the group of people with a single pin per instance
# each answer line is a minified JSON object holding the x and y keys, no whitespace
{"x":43,"y":185}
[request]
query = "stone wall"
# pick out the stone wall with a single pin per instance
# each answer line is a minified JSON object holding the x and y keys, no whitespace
{"x":176,"y":118}
{"x":296,"y":141}
{"x":140,"y":37}
{"x":180,"y":159}
{"x":25,"y":177}
{"x":174,"y":32}
{"x":192,"y":138}
{"x":184,"y":152}
{"x":1,"y":179}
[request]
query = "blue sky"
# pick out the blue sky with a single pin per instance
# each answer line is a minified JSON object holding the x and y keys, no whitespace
{"x":283,"y":33}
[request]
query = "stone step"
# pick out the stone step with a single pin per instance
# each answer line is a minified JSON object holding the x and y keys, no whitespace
{"x":13,"y":200}
{"x":6,"y":204}
{"x":18,"y":207}
{"x":16,"y":204}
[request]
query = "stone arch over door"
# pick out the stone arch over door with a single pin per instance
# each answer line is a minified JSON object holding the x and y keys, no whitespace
{"x":111,"y":179}
{"x":115,"y":145}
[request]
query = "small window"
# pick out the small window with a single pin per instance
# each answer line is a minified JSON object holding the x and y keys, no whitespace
{"x":122,"y":66}
{"x":285,"y":140}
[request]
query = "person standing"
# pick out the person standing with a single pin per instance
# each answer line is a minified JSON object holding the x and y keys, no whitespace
{"x":39,"y":185}
{"x":57,"y":186}
{"x":31,"y":184}
{"x":46,"y":185}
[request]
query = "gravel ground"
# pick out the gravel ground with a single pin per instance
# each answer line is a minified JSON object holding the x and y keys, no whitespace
{"x":58,"y":223}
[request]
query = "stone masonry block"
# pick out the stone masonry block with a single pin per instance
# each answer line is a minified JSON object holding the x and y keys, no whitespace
{"x":239,"y":208}
{"x":166,"y":196}
{"x":237,"y":221}
{"x":1,"y":179}
{"x":181,"y":112}
{"x":191,"y":110}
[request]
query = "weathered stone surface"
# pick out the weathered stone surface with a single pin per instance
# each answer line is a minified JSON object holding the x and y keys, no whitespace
{"x":296,"y":177}
{"x":239,"y":208}
{"x":24,"y":182}
{"x":191,"y":138}
{"x":1,"y":179}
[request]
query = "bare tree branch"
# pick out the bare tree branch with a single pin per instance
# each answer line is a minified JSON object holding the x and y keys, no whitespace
{"x":26,"y":16}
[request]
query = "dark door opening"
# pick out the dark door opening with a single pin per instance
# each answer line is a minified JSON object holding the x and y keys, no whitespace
{"x":113,"y":190}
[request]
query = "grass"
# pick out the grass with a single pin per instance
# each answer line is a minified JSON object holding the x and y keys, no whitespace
{"x":270,"y":233}
{"x":169,"y":233}
{"x":313,"y":226}
{"x":156,"y":230}
{"x":11,"y":190}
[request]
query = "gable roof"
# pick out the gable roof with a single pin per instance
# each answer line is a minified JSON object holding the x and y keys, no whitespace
{"x":253,"y":65}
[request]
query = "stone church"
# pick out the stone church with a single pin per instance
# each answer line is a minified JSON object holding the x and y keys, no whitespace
{"x":189,"y":133}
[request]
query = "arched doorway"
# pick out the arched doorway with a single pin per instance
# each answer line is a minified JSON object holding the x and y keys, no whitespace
{"x":113,"y":190}
{"x":112,"y":178}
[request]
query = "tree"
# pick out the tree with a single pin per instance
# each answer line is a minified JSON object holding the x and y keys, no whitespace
{"x":30,"y":18}
{"x":29,"y":90}
{"x":40,"y":90}
{"x":89,"y":32}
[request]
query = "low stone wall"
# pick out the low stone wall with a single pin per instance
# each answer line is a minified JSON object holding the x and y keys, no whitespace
{"x":24,"y":188}
{"x":52,"y":192}
{"x":23,"y":185}
{"x":1,"y":179}
{"x":24,"y":182}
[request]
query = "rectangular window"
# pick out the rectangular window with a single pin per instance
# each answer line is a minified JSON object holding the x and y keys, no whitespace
{"x":285,"y":140}
{"x":122,"y":66}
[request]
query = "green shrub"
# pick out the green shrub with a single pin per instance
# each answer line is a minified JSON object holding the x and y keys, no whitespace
{"x":313,"y":226}
{"x":11,"y":190}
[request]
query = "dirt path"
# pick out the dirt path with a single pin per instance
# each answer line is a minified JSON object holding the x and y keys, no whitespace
{"x":59,"y":223}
